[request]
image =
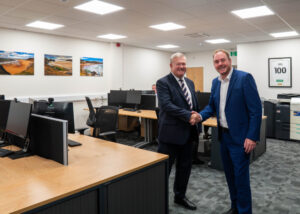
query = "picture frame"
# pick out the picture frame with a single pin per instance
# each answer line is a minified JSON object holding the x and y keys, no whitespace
{"x":280,"y":72}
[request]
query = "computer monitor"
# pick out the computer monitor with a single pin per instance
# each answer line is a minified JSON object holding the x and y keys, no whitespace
{"x":133,"y":97}
{"x":4,"y":110}
{"x":2,"y":97}
{"x":148,"y":92}
{"x":49,"y":138}
{"x":60,"y":110}
{"x":148,"y":102}
{"x":117,"y":97}
{"x":18,"y":119}
{"x":203,"y":99}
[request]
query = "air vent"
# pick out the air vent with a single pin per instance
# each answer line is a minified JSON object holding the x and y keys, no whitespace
{"x":197,"y":35}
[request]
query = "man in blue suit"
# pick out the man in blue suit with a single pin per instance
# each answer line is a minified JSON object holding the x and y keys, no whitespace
{"x":235,"y":100}
{"x":177,"y":101}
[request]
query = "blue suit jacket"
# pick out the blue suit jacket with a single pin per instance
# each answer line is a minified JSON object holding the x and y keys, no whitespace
{"x":174,"y":111}
{"x":243,"y":108}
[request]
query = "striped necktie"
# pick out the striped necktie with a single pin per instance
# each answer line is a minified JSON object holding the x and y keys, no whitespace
{"x":186,"y":94}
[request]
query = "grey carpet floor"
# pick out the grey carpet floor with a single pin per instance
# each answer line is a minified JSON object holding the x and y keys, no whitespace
{"x":275,"y":183}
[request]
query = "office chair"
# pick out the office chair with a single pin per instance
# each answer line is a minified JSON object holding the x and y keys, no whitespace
{"x":92,"y":116}
{"x":107,"y":122}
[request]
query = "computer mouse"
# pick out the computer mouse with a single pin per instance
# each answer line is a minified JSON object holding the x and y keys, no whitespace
{"x":138,"y":111}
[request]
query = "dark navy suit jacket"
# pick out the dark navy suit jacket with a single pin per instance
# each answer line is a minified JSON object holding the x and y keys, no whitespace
{"x":243,"y":108}
{"x":174,"y":111}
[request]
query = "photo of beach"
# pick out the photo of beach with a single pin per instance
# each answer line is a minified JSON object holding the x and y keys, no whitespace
{"x":56,"y":65}
{"x":16,"y":63}
{"x":91,"y":66}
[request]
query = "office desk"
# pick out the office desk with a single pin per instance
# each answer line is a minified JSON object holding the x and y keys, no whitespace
{"x":216,"y":161}
{"x":102,"y":177}
{"x":148,"y":116}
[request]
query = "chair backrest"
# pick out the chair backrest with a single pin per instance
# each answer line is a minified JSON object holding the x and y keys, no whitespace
{"x":92,"y":116}
{"x":107,"y":118}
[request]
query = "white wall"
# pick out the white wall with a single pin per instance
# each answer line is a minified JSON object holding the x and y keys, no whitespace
{"x":253,"y":58}
{"x":40,"y":85}
{"x":124,"y":67}
{"x":143,"y":67}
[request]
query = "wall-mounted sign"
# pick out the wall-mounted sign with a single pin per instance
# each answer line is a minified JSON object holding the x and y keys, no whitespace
{"x":280,"y":72}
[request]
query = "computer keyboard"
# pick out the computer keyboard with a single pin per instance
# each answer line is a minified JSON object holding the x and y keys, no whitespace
{"x":129,"y":109}
{"x":5,"y":152}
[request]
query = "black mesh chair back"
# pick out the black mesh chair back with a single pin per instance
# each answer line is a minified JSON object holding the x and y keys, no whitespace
{"x":107,"y":121}
{"x":92,"y":116}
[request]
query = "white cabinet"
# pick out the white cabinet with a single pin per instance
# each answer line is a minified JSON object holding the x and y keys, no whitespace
{"x":295,"y":119}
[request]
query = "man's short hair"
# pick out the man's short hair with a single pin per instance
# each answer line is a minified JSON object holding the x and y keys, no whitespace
{"x":223,"y":51}
{"x":176,"y":55}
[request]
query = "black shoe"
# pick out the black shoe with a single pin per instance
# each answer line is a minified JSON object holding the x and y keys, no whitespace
{"x":185,"y":203}
{"x":198,"y":161}
{"x":232,"y":211}
{"x":205,"y":136}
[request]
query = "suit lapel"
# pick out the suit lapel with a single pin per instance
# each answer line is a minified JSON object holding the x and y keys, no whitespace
{"x":231,"y":84}
{"x":218,"y":87}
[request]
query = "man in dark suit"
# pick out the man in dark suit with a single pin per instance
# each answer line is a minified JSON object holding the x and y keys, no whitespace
{"x":235,"y":100}
{"x":177,"y":101}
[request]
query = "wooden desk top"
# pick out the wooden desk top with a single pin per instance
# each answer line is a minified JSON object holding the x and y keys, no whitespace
{"x":212,"y":121}
{"x":30,"y":182}
{"x":150,"y":114}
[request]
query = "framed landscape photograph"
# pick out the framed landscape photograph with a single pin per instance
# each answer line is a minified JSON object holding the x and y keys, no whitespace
{"x":56,"y":65}
{"x":280,"y":72}
{"x":16,"y":63}
{"x":91,"y":66}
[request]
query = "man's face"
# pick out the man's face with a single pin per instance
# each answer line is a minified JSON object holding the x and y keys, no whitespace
{"x":154,"y":88}
{"x":178,"y":66}
{"x":222,"y":64}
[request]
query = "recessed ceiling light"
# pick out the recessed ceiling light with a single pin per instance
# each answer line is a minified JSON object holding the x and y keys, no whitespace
{"x":253,"y":12}
{"x":44,"y":25}
{"x":217,"y":41}
{"x":168,"y":46}
{"x":167,"y":26}
{"x":98,"y":7}
{"x":284,"y":34}
{"x":111,"y":36}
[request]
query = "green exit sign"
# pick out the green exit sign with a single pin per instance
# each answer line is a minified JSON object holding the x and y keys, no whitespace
{"x":233,"y":53}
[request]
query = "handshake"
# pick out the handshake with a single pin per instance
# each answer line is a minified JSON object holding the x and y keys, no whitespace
{"x":195,"y":118}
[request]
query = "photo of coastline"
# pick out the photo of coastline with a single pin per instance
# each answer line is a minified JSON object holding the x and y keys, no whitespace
{"x":16,"y":63}
{"x":91,"y":66}
{"x":56,"y":65}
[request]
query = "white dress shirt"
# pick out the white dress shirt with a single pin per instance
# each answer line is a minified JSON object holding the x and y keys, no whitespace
{"x":223,"y":96}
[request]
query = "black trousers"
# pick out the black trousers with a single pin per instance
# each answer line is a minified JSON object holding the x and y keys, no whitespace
{"x":182,"y":154}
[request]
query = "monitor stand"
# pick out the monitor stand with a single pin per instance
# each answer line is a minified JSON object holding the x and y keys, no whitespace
{"x":23,"y":152}
{"x":3,"y":141}
{"x":5,"y":152}
{"x":72,"y":143}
